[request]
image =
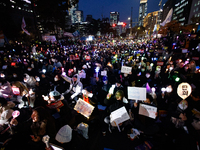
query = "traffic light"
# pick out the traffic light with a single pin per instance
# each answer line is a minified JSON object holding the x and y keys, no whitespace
{"x":114,"y":25}
{"x":124,"y":24}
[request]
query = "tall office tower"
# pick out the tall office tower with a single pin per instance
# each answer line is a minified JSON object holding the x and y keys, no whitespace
{"x":114,"y":18}
{"x":182,"y":11}
{"x":72,"y":13}
{"x":79,"y":16}
{"x":142,"y":11}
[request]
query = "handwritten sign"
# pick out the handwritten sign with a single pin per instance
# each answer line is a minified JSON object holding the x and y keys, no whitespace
{"x":147,"y":110}
{"x":84,"y":108}
{"x":137,"y":93}
{"x":118,"y":116}
{"x":184,"y":50}
{"x":104,"y":73}
{"x":184,"y":90}
{"x":125,"y":69}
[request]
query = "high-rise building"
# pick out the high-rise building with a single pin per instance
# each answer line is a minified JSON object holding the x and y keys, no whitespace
{"x":142,"y":11}
{"x":114,"y":18}
{"x":195,"y":11}
{"x":72,"y":13}
{"x":89,"y":18}
{"x":79,"y":16}
{"x":182,"y":11}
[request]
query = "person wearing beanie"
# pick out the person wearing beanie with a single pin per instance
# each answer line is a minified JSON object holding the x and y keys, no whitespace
{"x":58,"y":107}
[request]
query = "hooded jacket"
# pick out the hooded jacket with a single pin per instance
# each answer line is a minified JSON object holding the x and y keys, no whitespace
{"x":6,"y":113}
{"x":75,"y":87}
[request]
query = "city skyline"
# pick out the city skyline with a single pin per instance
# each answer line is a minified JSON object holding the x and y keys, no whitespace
{"x":97,"y":8}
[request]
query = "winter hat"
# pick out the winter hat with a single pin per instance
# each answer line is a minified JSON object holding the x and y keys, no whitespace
{"x":64,"y":135}
{"x":84,"y":67}
{"x":54,"y":93}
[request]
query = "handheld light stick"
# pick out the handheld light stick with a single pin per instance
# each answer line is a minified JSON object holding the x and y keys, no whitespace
{"x":153,"y":89}
{"x":97,"y":71}
{"x":163,"y":91}
{"x":15,"y":114}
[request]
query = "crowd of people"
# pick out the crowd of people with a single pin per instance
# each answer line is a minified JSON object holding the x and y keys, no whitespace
{"x":44,"y":81}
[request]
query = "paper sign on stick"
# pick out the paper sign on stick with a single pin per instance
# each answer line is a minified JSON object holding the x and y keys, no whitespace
{"x":137,"y":93}
{"x":118,"y":116}
{"x":125,"y":69}
{"x":184,"y":90}
{"x":147,"y":110}
{"x":84,"y":108}
{"x":103,"y":73}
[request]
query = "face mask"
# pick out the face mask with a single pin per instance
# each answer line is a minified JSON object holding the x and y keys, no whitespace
{"x":14,"y":75}
{"x":105,"y":82}
{"x":55,"y":79}
{"x":25,"y":80}
{"x":142,"y":70}
{"x":32,"y":65}
{"x":29,"y":69}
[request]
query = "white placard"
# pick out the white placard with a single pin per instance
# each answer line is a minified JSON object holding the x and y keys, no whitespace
{"x":84,"y":108}
{"x":118,"y":116}
{"x":104,"y":73}
{"x":125,"y":69}
{"x":137,"y":93}
{"x":184,"y":90}
{"x":184,"y":50}
{"x":147,"y":110}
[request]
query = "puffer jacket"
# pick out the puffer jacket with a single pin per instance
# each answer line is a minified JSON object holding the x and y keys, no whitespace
{"x":75,"y":87}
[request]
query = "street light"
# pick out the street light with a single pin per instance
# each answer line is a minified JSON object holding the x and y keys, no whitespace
{"x":129,"y":18}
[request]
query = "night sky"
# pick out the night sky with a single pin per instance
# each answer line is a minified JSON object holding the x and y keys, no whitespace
{"x":96,"y":7}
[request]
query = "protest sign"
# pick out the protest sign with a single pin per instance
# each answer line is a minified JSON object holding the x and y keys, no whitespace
{"x":184,"y":90}
{"x":184,"y":50}
{"x":160,"y":63}
{"x":84,"y":108}
{"x":104,"y":73}
{"x":137,"y":93}
{"x":125,"y":69}
{"x":147,"y":110}
{"x":119,"y":116}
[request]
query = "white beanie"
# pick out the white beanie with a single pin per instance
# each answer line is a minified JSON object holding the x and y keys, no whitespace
{"x":64,"y":135}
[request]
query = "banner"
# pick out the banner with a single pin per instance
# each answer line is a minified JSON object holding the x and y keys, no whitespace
{"x":68,"y":34}
{"x":137,"y":93}
{"x":23,"y":26}
{"x":125,"y":69}
{"x":168,"y":18}
{"x":51,"y":38}
{"x":84,"y":108}
{"x":76,"y":33}
{"x":147,"y":110}
{"x":160,"y":63}
{"x":119,"y":116}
